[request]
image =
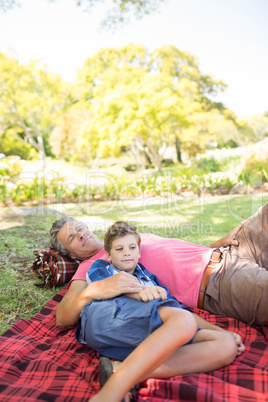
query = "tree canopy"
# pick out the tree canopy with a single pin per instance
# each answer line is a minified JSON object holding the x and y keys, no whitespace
{"x":127,"y":99}
{"x":30,"y":100}
{"x":120,"y":12}
{"x":139,"y":99}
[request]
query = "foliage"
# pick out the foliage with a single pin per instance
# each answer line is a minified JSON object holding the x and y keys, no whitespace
{"x":253,"y":129}
{"x":254,"y":164}
{"x":206,"y":173}
{"x":117,"y":87}
{"x":126,"y":100}
{"x":10,"y":146}
{"x":10,"y":170}
{"x":210,"y":128}
{"x":119,"y":14}
{"x":30,"y":101}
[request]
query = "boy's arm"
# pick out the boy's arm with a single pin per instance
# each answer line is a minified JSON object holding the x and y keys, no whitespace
{"x":149,"y":293}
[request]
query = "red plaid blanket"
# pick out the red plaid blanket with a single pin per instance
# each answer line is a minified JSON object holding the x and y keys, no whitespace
{"x":53,"y":268}
{"x":40,"y":361}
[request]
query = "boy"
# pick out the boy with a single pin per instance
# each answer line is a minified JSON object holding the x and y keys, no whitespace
{"x":151,"y":331}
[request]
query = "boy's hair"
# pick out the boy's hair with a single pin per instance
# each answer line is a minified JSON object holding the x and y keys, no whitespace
{"x":117,"y":230}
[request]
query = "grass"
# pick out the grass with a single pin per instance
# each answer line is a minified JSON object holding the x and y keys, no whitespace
{"x":196,"y":220}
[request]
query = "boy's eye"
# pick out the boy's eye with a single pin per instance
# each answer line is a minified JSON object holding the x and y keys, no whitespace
{"x":119,"y":249}
{"x":132,"y":247}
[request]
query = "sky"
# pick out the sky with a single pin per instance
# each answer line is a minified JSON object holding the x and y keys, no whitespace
{"x":229,"y":38}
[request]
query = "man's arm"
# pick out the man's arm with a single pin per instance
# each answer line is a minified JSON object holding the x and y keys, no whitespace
{"x":80,"y":294}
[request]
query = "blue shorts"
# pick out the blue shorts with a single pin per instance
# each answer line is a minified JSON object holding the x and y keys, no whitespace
{"x":115,"y":327}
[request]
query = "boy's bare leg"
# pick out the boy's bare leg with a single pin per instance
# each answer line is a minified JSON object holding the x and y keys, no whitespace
{"x":179,"y":326}
{"x":209,"y":351}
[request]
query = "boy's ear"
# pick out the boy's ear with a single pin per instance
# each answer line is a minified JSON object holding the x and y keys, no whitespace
{"x":108,"y":256}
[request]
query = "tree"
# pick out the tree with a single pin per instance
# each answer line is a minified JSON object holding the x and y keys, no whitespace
{"x":209,"y":129}
{"x":253,"y":129}
{"x":30,"y":101}
{"x":140,"y":99}
{"x":120,"y":13}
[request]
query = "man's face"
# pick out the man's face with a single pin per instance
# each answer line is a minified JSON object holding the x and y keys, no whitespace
{"x":79,"y":240}
{"x":124,"y":253}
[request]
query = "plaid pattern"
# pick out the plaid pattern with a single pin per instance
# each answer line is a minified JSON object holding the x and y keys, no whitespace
{"x":40,"y":361}
{"x":54,"y":268}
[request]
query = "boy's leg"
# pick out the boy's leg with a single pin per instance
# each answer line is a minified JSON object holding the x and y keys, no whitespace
{"x":178,"y":328}
{"x":209,"y":351}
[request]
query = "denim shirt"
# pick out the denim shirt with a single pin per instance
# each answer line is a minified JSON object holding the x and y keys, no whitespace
{"x":102,"y":269}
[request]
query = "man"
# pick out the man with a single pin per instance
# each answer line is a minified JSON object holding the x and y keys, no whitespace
{"x":232,"y":282}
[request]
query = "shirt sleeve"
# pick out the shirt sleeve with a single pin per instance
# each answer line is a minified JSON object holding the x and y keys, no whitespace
{"x":98,"y":271}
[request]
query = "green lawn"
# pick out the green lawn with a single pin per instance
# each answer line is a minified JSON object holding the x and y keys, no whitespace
{"x":200,"y":221}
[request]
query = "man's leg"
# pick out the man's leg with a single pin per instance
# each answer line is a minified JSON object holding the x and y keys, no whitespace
{"x":253,"y":238}
{"x":239,"y":289}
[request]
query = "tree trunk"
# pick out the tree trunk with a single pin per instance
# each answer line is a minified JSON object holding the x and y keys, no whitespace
{"x":178,"y":149}
{"x":41,"y":150}
{"x":155,"y":156}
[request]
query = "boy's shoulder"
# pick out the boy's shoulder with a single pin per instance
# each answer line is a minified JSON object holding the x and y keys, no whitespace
{"x":143,"y":269}
{"x":100,"y":264}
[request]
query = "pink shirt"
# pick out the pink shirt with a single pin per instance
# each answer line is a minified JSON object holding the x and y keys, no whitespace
{"x":178,"y":265}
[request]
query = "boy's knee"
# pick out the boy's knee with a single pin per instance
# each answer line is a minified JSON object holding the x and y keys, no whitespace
{"x":185,"y":320}
{"x":180,"y":320}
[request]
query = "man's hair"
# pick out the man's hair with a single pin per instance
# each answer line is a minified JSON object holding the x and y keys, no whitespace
{"x":55,"y":228}
{"x":117,"y":230}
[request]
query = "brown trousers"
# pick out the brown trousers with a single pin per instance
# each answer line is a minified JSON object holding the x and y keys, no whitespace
{"x":238,"y":287}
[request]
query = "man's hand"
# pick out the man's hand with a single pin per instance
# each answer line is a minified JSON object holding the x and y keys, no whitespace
{"x":114,"y":286}
{"x":229,"y":239}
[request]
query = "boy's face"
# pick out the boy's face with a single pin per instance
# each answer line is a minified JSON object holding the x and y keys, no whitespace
{"x":124,"y":253}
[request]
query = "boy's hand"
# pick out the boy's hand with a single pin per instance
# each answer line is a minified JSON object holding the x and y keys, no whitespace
{"x":153,"y":293}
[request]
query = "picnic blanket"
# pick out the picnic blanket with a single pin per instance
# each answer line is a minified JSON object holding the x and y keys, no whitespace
{"x":53,"y":268}
{"x":40,"y":361}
